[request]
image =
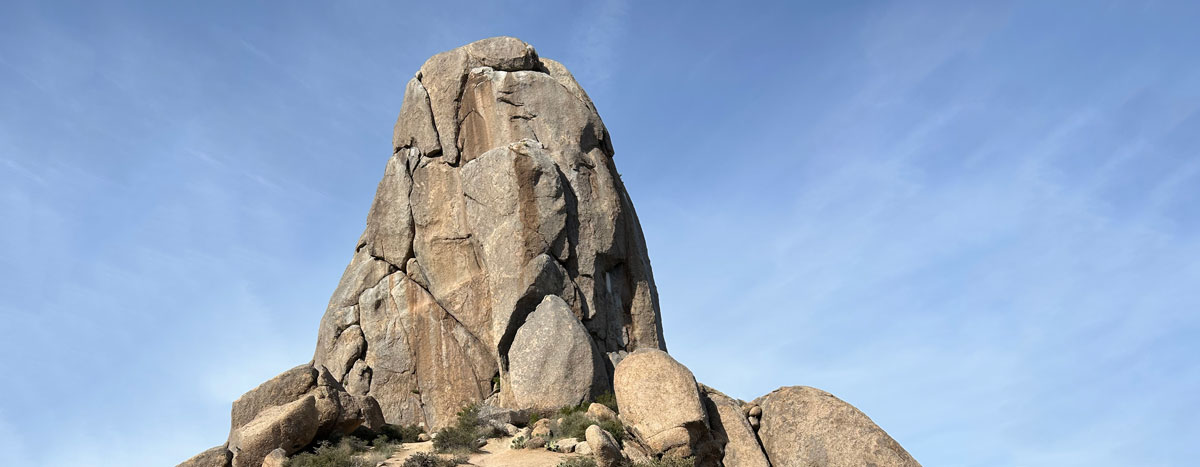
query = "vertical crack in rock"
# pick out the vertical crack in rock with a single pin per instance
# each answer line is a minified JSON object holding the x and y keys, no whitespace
{"x":502,"y":242}
{"x":500,"y":191}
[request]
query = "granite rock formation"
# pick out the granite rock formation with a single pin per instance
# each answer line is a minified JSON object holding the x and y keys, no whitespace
{"x":808,"y":426}
{"x":500,"y":192}
{"x":502,"y":264}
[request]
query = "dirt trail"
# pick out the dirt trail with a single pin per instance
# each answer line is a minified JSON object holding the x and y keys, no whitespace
{"x":495,"y":454}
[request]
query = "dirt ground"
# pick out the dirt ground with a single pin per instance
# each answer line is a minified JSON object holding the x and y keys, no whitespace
{"x":495,"y":454}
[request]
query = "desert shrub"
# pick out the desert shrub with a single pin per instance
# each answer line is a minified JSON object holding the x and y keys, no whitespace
{"x":425,"y":459}
{"x":468,"y":417}
{"x":668,"y":461}
{"x":492,"y":431}
{"x":613,"y":427}
{"x":403,"y":434}
{"x":375,"y":456}
{"x":454,"y":439}
{"x":578,"y":461}
{"x":326,"y":454}
{"x":608,"y":399}
{"x":573,"y":425}
{"x":460,"y":437}
{"x":570,"y":409}
{"x":355,"y":443}
{"x":382,"y":446}
{"x":536,"y":415}
{"x":518,"y":443}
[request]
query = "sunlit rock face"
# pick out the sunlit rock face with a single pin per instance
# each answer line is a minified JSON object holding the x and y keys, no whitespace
{"x":502,"y":263}
{"x":501,"y":191}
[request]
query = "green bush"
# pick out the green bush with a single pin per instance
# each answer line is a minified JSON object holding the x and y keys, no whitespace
{"x":468,"y":417}
{"x":460,"y":437}
{"x":326,"y":454}
{"x":376,"y":455}
{"x":578,"y":461}
{"x":573,"y":425}
{"x":668,"y":461}
{"x":425,"y":459}
{"x":613,"y":427}
{"x":608,"y":399}
{"x":570,"y":409}
{"x":454,"y":439}
{"x":402,"y":434}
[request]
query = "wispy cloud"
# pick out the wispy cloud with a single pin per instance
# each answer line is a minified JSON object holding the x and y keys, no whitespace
{"x":596,"y":41}
{"x":950,"y":259}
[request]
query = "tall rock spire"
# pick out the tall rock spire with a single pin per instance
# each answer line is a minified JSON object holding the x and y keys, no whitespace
{"x":502,"y":263}
{"x":500,"y":192}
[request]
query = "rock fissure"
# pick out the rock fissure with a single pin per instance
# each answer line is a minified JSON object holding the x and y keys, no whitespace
{"x":501,"y":242}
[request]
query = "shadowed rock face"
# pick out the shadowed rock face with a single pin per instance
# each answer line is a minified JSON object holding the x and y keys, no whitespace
{"x":501,"y":191}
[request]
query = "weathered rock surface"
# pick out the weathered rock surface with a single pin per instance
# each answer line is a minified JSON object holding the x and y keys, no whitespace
{"x":290,"y":427}
{"x":541,"y":428}
{"x":502,"y":264}
{"x":655,"y":393}
{"x":600,"y":412}
{"x":218,"y":456}
{"x":604,"y":447}
{"x":659,"y":398}
{"x":552,"y":363}
{"x":808,"y":426}
{"x":288,"y":412}
{"x":500,"y":191}
{"x":732,"y":430}
{"x":275,"y":458}
{"x":282,"y":389}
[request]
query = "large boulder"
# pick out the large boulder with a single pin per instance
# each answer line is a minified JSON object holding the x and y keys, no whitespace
{"x":604,"y":447}
{"x":283,"y":388}
{"x":656,"y":393}
{"x":807,"y":426}
{"x":732,"y":430}
{"x":659,"y":398}
{"x":552,"y":362}
{"x":290,"y":427}
{"x":600,"y":412}
{"x":276,"y":458}
{"x":218,"y":456}
{"x":292,"y":410}
{"x":500,"y":190}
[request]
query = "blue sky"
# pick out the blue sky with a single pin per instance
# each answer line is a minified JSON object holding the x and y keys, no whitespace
{"x":975,"y":221}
